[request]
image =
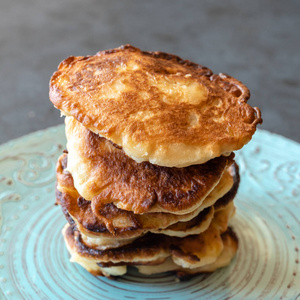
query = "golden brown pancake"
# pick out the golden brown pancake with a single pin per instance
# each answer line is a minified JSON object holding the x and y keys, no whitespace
{"x":158,"y":255}
{"x":230,"y":247}
{"x":156,"y":106}
{"x":109,"y":221}
{"x":104,"y":174}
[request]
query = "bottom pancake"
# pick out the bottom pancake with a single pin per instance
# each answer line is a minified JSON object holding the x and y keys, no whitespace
{"x":159,"y":253}
{"x":159,"y":264}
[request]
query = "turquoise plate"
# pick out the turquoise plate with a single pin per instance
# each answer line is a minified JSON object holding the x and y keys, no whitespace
{"x":34,"y":263}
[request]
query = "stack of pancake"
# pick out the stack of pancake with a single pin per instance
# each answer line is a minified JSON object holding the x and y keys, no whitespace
{"x":148,"y":177}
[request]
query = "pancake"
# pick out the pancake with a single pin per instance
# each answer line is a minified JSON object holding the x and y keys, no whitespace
{"x":95,"y":228}
{"x":156,"y":106}
{"x":181,"y":229}
{"x":104,"y":174}
{"x":110,"y":221}
{"x":159,"y":262}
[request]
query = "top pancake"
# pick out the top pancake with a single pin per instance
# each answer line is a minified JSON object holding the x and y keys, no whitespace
{"x":158,"y":107}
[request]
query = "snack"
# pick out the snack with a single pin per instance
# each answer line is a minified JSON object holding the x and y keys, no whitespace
{"x":148,"y":178}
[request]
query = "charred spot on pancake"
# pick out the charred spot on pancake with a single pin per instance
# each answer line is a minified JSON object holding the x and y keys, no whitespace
{"x":234,"y":171}
{"x":183,"y":276}
{"x":231,"y":233}
{"x":59,"y":197}
{"x":69,"y":219}
{"x":82,"y":203}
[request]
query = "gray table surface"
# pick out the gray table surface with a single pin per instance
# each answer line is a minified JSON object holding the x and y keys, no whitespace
{"x":257,"y":42}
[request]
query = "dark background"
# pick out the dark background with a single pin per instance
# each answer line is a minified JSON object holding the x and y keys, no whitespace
{"x":258,"y":42}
